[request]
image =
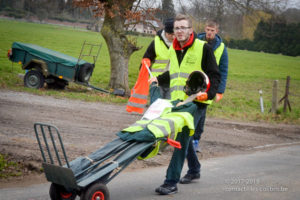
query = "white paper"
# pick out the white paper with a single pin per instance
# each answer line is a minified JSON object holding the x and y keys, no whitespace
{"x":157,"y":108}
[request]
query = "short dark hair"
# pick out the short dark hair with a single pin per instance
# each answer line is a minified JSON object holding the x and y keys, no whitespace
{"x":180,"y":17}
{"x":212,"y":23}
{"x":169,"y":25}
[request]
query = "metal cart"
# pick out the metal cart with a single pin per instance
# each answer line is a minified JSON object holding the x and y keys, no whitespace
{"x":85,"y":176}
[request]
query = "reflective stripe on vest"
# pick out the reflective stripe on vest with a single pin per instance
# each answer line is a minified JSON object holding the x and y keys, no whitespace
{"x":162,"y":57}
{"x":169,"y":124}
{"x":137,"y":126}
{"x":160,"y":127}
{"x":179,"y":74}
{"x":161,"y":61}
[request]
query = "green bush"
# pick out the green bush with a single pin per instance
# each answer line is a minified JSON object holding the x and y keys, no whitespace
{"x":272,"y":37}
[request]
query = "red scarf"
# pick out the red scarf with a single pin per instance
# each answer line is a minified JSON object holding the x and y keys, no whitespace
{"x":176,"y":44}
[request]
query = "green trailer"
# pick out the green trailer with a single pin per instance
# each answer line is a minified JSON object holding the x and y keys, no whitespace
{"x":56,"y":69}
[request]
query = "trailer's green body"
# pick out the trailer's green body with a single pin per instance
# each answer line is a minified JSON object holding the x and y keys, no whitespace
{"x":54,"y":66}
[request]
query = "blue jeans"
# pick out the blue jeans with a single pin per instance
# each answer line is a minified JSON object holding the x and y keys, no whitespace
{"x":187,"y":150}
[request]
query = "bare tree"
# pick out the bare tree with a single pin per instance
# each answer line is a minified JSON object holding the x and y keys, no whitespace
{"x":232,"y":14}
{"x":167,"y":7}
{"x":117,"y":15}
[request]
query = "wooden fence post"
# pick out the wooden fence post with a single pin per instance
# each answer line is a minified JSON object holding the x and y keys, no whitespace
{"x":286,"y":95}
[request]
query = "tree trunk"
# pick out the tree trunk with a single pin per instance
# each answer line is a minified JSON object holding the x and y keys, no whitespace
{"x":120,"y":50}
{"x":19,"y":4}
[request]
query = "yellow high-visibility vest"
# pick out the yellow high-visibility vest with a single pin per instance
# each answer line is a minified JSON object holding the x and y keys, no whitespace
{"x":179,"y":74}
{"x":167,"y":125}
{"x":218,"y":52}
{"x":162,"y":57}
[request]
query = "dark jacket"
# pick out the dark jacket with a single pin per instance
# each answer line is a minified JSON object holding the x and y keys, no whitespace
{"x":208,"y":65}
{"x":223,"y":65}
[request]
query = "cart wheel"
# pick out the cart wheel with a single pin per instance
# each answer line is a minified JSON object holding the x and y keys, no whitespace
{"x":97,"y":191}
{"x":34,"y":79}
{"x":58,"y":192}
{"x":85,"y":73}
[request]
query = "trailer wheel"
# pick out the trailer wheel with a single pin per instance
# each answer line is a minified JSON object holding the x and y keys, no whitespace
{"x":85,"y":73}
{"x":58,"y":192}
{"x":34,"y":79}
{"x":97,"y":191}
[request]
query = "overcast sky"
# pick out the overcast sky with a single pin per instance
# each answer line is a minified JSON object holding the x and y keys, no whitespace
{"x":292,"y":3}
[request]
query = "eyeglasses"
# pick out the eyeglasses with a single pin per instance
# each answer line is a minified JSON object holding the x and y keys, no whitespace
{"x":181,"y":28}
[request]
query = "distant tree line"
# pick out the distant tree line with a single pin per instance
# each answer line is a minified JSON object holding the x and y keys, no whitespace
{"x":272,"y":36}
{"x":44,"y":9}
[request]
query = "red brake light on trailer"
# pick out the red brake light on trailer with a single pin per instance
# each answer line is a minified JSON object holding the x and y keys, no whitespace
{"x":9,"y":53}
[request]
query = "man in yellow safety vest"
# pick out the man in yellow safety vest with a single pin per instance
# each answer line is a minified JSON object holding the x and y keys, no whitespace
{"x":211,"y":37}
{"x":187,"y":54}
{"x":158,"y":53}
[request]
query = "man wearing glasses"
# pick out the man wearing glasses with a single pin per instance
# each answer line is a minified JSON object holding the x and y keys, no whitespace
{"x":187,"y":54}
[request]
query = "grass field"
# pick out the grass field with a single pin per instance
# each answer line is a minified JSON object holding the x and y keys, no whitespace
{"x":248,"y":72}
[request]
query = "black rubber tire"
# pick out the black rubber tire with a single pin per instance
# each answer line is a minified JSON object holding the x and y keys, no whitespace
{"x":34,"y":79}
{"x":95,"y":190}
{"x":85,"y":73}
{"x":58,"y":192}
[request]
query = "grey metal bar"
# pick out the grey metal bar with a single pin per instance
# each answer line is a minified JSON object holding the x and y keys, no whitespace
{"x":39,"y":142}
{"x":46,"y":144}
{"x":50,"y":132}
{"x":54,"y":146}
{"x":62,"y":147}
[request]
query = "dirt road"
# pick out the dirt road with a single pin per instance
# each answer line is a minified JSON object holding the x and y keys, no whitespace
{"x":87,"y":126}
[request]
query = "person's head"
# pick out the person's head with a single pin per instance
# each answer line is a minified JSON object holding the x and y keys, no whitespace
{"x":211,"y":29}
{"x":182,"y":28}
{"x":169,"y":29}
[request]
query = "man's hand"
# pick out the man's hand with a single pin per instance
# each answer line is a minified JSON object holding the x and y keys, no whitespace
{"x":146,"y":61}
{"x":219,"y":96}
{"x":151,"y":80}
{"x":201,"y":96}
